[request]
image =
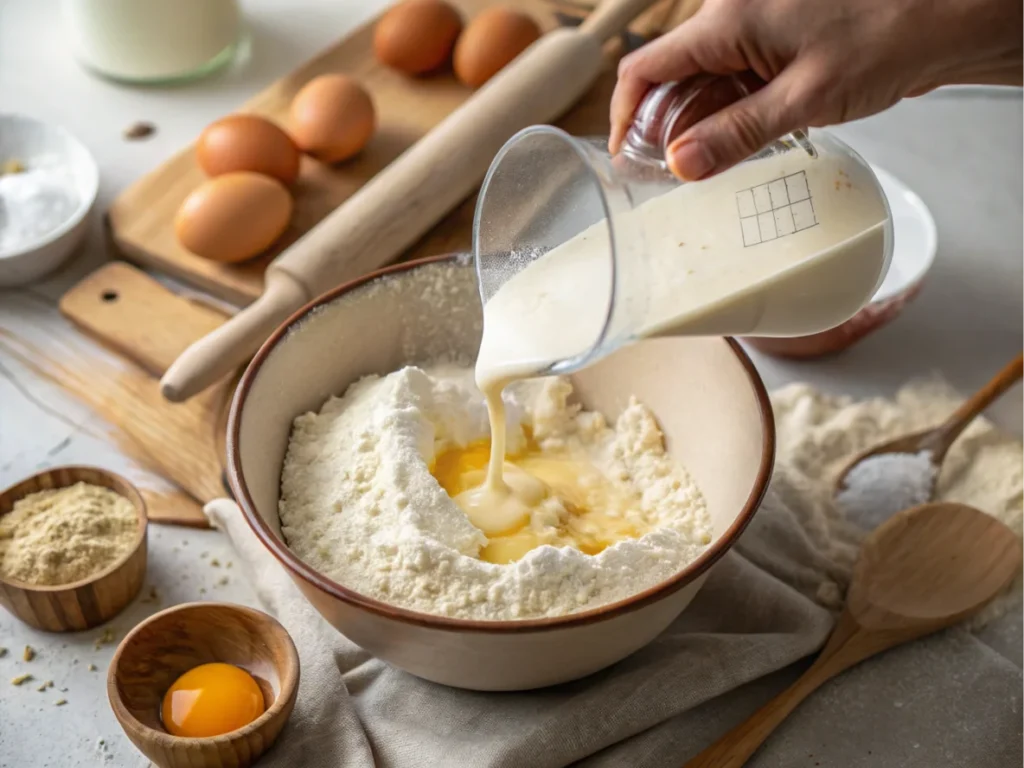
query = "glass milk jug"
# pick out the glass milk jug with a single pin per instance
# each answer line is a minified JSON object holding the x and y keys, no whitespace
{"x":578,"y":252}
{"x":153,"y":41}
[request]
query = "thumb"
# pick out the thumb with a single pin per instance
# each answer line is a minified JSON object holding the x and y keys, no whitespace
{"x":737,"y":131}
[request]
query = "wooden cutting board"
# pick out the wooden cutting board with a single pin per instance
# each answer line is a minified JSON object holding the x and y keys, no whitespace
{"x":141,"y":218}
{"x":149,"y":325}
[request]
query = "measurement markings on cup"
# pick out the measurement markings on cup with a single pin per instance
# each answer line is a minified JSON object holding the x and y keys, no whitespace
{"x":775,"y":209}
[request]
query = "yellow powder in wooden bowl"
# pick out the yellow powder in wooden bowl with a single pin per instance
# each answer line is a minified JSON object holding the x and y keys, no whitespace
{"x":66,"y":534}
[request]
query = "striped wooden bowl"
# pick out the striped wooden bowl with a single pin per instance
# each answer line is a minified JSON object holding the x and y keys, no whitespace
{"x":92,"y":601}
{"x":165,"y":646}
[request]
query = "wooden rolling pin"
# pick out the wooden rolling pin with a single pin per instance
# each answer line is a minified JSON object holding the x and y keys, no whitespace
{"x":413,"y":193}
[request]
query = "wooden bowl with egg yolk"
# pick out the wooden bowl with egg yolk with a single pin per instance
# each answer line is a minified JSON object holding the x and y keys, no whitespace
{"x":166,"y":645}
{"x":95,"y":599}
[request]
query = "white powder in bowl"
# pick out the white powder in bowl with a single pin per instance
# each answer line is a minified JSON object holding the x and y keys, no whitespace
{"x":359,"y":504}
{"x":880,"y":486}
{"x":33,"y":204}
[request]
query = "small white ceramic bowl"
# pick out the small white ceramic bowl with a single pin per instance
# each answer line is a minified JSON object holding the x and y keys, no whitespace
{"x":35,"y":144}
{"x":915,"y":242}
{"x":711,"y":404}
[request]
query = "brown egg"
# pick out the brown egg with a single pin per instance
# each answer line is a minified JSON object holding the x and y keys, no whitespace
{"x":491,"y":41}
{"x":417,"y":36}
{"x":233,"y":217}
{"x":247,"y":143}
{"x":332,"y":118}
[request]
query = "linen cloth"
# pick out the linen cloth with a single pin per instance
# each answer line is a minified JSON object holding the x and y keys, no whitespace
{"x":949,"y":700}
{"x":353,"y":709}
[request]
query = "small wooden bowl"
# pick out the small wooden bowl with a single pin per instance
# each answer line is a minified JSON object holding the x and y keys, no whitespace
{"x":168,"y":644}
{"x":92,"y":601}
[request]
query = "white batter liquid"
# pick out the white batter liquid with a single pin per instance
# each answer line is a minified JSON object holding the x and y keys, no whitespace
{"x":785,"y":245}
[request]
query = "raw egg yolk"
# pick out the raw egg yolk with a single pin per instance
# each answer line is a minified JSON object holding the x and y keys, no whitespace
{"x":210,"y":700}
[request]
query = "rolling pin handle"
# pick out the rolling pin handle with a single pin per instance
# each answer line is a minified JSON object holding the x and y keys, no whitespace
{"x":611,"y":17}
{"x":229,"y":346}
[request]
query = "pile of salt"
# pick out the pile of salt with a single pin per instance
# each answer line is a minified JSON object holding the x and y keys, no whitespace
{"x":882,"y":485}
{"x":34,"y":204}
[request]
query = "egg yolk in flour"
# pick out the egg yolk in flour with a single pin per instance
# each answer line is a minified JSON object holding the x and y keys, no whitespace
{"x":210,"y":700}
{"x":561,"y":500}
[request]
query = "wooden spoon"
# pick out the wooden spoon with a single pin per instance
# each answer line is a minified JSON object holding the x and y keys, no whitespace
{"x":923,"y":569}
{"x":937,"y":440}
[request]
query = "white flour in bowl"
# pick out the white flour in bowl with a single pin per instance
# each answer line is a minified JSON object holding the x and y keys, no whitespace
{"x":360,"y":504}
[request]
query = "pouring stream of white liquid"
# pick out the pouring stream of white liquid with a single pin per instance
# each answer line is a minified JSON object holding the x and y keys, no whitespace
{"x":785,"y":245}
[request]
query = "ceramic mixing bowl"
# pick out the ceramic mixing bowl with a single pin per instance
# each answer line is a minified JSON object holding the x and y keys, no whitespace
{"x":710,"y":402}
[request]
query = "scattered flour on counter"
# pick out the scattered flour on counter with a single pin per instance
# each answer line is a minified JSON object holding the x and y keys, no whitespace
{"x":818,"y":434}
{"x":359,"y":504}
{"x":880,"y":486}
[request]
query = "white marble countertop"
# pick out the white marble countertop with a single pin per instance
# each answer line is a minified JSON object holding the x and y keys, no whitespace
{"x":960,"y":150}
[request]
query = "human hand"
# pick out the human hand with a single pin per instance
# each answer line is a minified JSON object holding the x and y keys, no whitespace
{"x":824,"y":62}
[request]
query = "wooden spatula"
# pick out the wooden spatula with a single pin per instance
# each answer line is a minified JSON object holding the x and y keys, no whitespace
{"x":924,"y":569}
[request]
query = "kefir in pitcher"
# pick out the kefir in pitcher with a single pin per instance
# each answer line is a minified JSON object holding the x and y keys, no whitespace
{"x":579,"y":253}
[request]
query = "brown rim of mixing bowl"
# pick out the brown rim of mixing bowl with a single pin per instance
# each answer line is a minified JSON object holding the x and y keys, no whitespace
{"x":298,"y":568}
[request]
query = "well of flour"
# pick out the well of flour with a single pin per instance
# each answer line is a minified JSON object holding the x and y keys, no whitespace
{"x":364,"y":498}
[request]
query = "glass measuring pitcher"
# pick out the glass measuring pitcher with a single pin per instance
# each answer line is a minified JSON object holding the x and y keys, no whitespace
{"x":578,"y":252}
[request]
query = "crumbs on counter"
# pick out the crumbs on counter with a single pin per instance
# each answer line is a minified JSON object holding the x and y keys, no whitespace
{"x":29,"y":654}
{"x":138,"y":130}
{"x":60,"y":702}
{"x":3,"y":651}
{"x":215,"y":563}
{"x":228,"y":564}
{"x":21,"y":679}
{"x":92,"y":667}
{"x":152,"y":597}
{"x":12,"y":165}
{"x":107,"y":638}
{"x":46,"y":684}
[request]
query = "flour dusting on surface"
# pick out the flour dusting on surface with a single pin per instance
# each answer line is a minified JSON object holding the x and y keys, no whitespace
{"x":359,"y":503}
{"x":819,"y":433}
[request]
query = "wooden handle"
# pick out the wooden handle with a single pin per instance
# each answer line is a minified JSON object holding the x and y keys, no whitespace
{"x":982,"y":399}
{"x":147,"y":323}
{"x":224,"y":349}
{"x":848,"y":645}
{"x":612,"y":17}
{"x":138,"y":317}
